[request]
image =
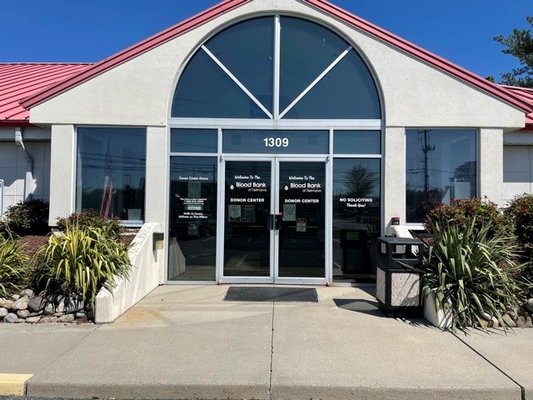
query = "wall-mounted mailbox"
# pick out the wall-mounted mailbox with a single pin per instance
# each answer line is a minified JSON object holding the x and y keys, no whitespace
{"x":159,"y":241}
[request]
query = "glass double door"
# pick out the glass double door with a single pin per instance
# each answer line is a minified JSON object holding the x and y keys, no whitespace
{"x":274,"y":220}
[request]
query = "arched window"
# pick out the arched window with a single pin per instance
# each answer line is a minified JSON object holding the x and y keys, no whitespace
{"x":258,"y":69}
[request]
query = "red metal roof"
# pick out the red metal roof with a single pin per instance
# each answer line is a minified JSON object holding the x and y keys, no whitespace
{"x":61,"y":85}
{"x":527,"y":95}
{"x":18,"y":81}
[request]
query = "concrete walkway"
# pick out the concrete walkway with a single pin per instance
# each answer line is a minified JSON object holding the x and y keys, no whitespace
{"x":185,"y":342}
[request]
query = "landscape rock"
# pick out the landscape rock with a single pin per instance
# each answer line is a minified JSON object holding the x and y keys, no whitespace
{"x":80,"y":315}
{"x":521,"y":322}
{"x":21,"y":303}
{"x":23,"y":314}
{"x":11,"y":318}
{"x":513,"y":313}
{"x":33,"y":320}
{"x":72,"y":306}
{"x":60,"y":307}
{"x":509,"y":321}
{"x":15,"y":297}
{"x":36,"y":304}
{"x":66,"y":318}
{"x":529,"y":305}
{"x":49,"y":309}
{"x":20,"y":321}
{"x":529,"y":322}
{"x":494,"y":323}
{"x":48,"y":320}
{"x":27,"y":292}
{"x":5,"y":303}
{"x":35,"y":314}
{"x":3,"y":312}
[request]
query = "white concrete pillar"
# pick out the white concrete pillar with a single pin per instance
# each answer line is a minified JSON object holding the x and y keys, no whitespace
{"x":491,"y":165}
{"x":394,"y":175}
{"x":62,"y":167}
{"x":157,"y":182}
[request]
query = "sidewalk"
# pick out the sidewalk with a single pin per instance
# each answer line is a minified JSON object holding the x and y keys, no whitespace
{"x":185,"y":342}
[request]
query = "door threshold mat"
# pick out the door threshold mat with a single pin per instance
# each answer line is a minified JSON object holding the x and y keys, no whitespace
{"x":273,"y":294}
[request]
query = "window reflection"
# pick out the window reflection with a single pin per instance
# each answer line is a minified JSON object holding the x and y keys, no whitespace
{"x":441,"y":168}
{"x":192,"y":233}
{"x":111,"y":172}
{"x":356,"y":217}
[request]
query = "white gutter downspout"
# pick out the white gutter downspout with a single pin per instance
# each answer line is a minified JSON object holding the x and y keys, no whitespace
{"x":28,"y":181}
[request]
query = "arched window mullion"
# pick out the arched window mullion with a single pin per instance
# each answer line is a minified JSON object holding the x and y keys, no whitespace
{"x":316,"y":81}
{"x":237,"y":82}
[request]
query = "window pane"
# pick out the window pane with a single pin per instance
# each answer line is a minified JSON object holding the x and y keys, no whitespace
{"x":204,"y":90}
{"x":302,"y":64}
{"x":441,"y":168}
{"x":356,"y":217}
{"x":275,"y":142}
{"x":111,"y":172}
{"x":246,"y":49}
{"x":357,"y":142}
{"x":192,"y":225}
{"x":194,"y":141}
{"x":346,"y":92}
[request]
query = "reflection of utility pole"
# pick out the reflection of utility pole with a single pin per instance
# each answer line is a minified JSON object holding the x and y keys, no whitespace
{"x":426,"y":149}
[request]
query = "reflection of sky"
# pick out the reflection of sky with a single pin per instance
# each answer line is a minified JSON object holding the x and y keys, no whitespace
{"x":119,"y":153}
{"x":452,"y":148}
{"x":205,"y":167}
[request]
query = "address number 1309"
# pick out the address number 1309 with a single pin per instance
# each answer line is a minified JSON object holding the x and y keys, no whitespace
{"x":276,"y":142}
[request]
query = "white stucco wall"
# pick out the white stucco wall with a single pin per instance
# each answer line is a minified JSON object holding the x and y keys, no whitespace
{"x":62,"y":169}
{"x":139,"y":92}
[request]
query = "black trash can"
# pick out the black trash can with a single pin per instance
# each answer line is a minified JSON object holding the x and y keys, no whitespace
{"x":398,"y":289}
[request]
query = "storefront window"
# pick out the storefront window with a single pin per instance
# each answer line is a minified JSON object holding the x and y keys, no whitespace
{"x":356,"y":217}
{"x":111,"y":172}
{"x":441,"y":168}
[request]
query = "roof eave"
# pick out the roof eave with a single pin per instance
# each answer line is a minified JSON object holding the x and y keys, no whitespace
{"x":133,"y":51}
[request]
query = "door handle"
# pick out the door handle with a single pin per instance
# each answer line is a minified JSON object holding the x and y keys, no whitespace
{"x":275,"y":221}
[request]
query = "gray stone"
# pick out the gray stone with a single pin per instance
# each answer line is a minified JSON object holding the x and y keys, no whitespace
{"x":36,"y":304}
{"x":521,"y":322}
{"x":66,"y":318}
{"x":35,"y":314}
{"x":487,"y":316}
{"x":23,"y":314}
{"x":20,"y":321}
{"x":33,"y":320}
{"x":509,"y":321}
{"x":5,"y":303}
{"x":21,"y":303}
{"x":58,"y":314}
{"x":494,"y":323}
{"x":3,"y":312}
{"x":529,"y":305}
{"x":11,"y":318}
{"x":529,"y":322}
{"x":48,"y":320}
{"x":513,"y":313}
{"x":15,"y":297}
{"x":60,"y":308}
{"x":27,"y":292}
{"x":49,"y":309}
{"x":73,"y":305}
{"x":80,"y":315}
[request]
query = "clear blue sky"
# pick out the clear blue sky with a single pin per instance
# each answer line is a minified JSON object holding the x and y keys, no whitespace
{"x":91,"y":30}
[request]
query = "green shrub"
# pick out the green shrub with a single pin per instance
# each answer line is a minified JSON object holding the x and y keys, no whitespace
{"x":28,"y":218}
{"x":520,"y":215}
{"x":83,"y":259}
{"x":109,"y":226}
{"x":472,"y":273}
{"x":463,"y":212}
{"x":520,"y":212}
{"x":13,"y":263}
